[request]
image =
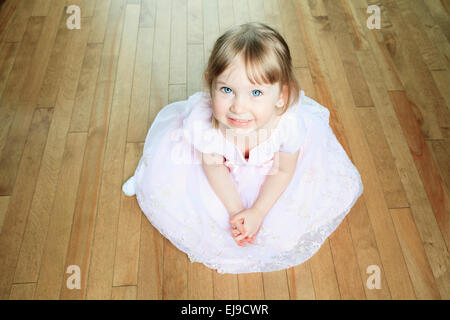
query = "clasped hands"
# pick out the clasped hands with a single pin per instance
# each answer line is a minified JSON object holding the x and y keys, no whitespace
{"x":245,"y":224}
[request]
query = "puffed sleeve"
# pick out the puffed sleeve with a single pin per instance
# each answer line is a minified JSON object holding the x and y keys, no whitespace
{"x":293,"y":132}
{"x":298,"y":119}
{"x":197,"y":128}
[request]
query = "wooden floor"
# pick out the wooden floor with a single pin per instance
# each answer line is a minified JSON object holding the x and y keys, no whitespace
{"x":75,"y":107}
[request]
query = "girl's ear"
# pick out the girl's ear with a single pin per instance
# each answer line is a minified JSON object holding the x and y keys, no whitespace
{"x":282,"y":101}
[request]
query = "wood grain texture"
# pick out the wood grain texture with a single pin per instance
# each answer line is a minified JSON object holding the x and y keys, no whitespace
{"x":76,"y":106}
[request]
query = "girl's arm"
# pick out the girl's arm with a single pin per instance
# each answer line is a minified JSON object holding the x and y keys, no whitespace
{"x":275,"y":184}
{"x":220,"y":180}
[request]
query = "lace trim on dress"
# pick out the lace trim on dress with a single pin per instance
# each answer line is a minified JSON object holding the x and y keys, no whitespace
{"x":307,"y":245}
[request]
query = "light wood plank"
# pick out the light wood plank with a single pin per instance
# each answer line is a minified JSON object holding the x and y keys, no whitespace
{"x":101,"y":264}
{"x":55,"y":69}
{"x":27,"y":268}
{"x":389,"y":247}
{"x":7,"y":15}
{"x":256,"y":11}
{"x":420,"y":206}
{"x":124,"y":293}
{"x":86,"y":88}
{"x":241,"y":12}
{"x":148,"y":14}
{"x":195,"y":69}
{"x":99,"y":21}
{"x":356,"y":29}
{"x":384,"y":160}
{"x":87,"y":7}
{"x":226,"y":286}
{"x":8,"y":52}
{"x":86,"y":205}
{"x":430,"y":53}
{"x":22,"y":291}
{"x":346,"y":50}
{"x":441,"y":157}
{"x":12,"y":115}
{"x":324,"y":274}
{"x":321,"y":261}
{"x":52,"y":274}
{"x":150,"y":274}
{"x":18,"y":25}
{"x":424,"y":163}
{"x":432,"y":29}
{"x":442,"y":80}
{"x":41,"y":7}
{"x":226,"y":16}
{"x":4,"y":202}
{"x":138,"y":123}
{"x":18,"y":209}
{"x":42,"y":53}
{"x":301,"y":286}
{"x":251,"y":286}
{"x":380,"y":53}
{"x":8,"y":55}
{"x":126,"y":260}
{"x":418,"y":82}
{"x":276,"y":285}
{"x":416,"y":259}
{"x":351,"y":285}
{"x":28,"y":95}
{"x":367,"y":251}
{"x":440,"y":11}
{"x":294,"y":39}
{"x":273,"y":15}
{"x":159,"y":87}
{"x":210,"y":26}
{"x":178,"y":43}
{"x":194,"y":22}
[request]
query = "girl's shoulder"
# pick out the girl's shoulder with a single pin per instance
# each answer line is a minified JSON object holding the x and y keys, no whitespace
{"x":197,"y":126}
{"x":298,"y":119}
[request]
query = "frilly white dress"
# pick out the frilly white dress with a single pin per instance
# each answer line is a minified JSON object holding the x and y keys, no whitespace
{"x":175,"y":195}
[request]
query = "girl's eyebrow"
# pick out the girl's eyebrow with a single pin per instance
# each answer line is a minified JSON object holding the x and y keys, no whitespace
{"x":256,"y":85}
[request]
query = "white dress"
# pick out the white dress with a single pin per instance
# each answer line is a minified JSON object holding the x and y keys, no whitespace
{"x":175,"y":195}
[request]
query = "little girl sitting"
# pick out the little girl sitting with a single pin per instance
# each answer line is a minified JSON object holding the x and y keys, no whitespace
{"x":250,"y":161}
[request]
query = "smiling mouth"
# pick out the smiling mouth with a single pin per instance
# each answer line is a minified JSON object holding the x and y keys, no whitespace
{"x":239,"y":123}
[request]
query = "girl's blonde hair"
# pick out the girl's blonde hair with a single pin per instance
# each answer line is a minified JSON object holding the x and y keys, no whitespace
{"x":263,"y":49}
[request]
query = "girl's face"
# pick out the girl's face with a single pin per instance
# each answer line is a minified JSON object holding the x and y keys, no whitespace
{"x":236,"y":98}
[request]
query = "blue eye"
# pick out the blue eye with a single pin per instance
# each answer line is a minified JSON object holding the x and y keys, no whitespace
{"x":225,"y":89}
{"x":257,"y":91}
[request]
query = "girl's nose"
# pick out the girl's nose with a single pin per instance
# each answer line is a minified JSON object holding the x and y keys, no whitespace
{"x":238,"y":106}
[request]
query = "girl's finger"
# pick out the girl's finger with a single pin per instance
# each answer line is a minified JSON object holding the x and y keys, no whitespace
{"x":236,"y":219}
{"x":240,"y":237}
{"x":241,"y":228}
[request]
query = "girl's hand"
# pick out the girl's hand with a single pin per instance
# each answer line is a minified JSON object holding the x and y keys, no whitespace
{"x":237,"y":228}
{"x":251,"y":222}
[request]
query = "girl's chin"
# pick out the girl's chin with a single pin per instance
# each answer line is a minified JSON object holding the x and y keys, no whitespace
{"x":236,"y":130}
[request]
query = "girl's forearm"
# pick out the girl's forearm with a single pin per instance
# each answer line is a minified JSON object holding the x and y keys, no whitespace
{"x":272,"y":188}
{"x":220,"y":180}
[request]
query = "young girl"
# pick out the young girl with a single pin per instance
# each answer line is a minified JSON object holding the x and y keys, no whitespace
{"x":246,"y":176}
